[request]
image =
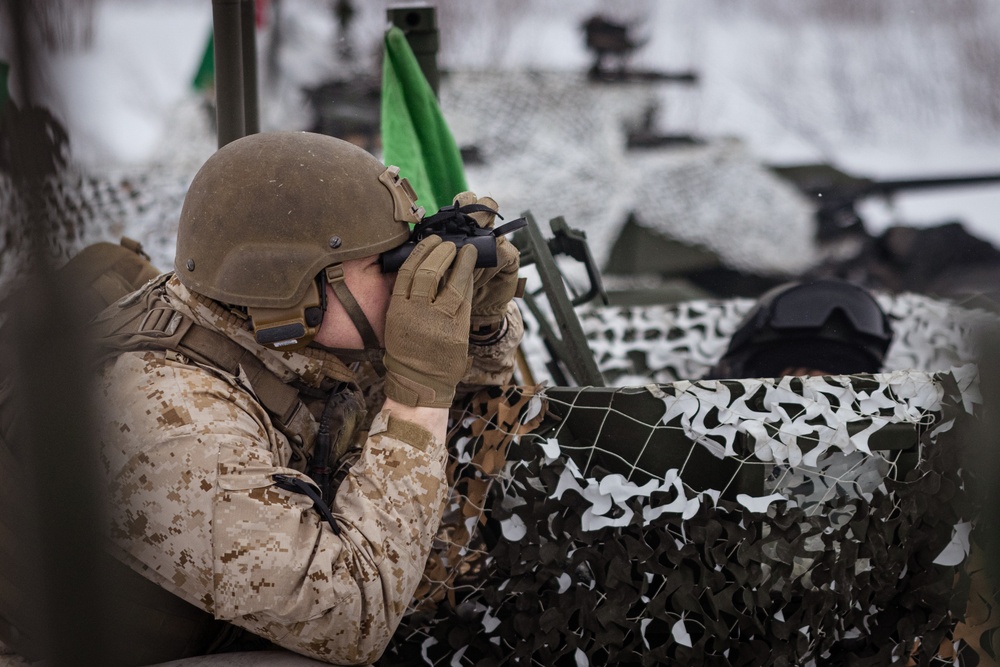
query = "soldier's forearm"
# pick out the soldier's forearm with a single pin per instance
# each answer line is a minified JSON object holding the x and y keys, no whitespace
{"x":493,"y":364}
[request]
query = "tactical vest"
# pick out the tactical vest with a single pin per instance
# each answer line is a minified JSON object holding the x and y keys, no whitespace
{"x":145,"y":321}
{"x":157,"y":625}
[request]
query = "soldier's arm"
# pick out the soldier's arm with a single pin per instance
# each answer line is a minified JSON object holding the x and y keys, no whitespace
{"x":193,"y":459}
{"x":388,"y":510}
{"x":493,"y":363}
{"x":492,"y":348}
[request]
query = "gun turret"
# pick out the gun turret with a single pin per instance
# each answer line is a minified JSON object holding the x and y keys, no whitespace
{"x":612,"y":44}
{"x":836,"y":192}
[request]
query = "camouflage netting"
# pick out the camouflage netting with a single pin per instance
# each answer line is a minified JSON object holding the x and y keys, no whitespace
{"x":556,"y":143}
{"x":554,"y":551}
{"x":637,"y":345}
{"x":82,"y":210}
{"x":849,"y":553}
{"x":84,"y":204}
{"x":556,"y":162}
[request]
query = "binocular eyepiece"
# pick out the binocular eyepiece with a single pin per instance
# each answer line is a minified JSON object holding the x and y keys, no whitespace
{"x":453,"y":223}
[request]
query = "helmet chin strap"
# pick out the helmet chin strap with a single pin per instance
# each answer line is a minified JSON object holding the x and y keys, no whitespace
{"x":372,"y":351}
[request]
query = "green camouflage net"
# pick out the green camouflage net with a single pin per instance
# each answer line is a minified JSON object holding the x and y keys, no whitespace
{"x":842,"y":548}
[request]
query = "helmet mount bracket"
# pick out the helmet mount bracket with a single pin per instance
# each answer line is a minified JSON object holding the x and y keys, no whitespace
{"x":290,"y":328}
{"x":404,"y":197}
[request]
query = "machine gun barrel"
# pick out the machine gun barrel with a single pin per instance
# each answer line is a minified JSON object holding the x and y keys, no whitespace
{"x":861,"y":188}
{"x":835,"y":192}
{"x":836,"y":186}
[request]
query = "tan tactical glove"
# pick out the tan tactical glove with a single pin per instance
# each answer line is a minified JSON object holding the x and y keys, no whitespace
{"x":494,"y":286}
{"x":427,"y":325}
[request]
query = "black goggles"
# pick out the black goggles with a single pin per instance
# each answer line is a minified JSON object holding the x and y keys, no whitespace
{"x":810,"y":306}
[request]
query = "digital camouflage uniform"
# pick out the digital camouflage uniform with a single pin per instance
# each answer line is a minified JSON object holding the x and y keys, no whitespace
{"x":191,"y":455}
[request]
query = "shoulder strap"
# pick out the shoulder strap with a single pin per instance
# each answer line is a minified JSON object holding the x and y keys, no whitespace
{"x":145,"y":321}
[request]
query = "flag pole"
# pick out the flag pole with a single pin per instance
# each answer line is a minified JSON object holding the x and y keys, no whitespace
{"x":418,"y":21}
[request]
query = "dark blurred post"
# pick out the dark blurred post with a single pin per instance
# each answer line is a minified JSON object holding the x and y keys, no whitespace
{"x":230,"y":101}
{"x":418,"y":21}
{"x":274,"y":44}
{"x":344,"y":11}
{"x":248,"y":44}
{"x":986,"y":451}
{"x":52,"y":497}
{"x":980,"y":626}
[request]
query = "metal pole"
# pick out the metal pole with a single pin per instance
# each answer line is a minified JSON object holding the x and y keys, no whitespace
{"x":56,"y":562}
{"x":248,"y":41}
{"x":418,"y":21}
{"x":229,"y":98}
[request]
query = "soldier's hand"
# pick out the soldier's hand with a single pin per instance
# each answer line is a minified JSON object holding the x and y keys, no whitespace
{"x":427,"y":325}
{"x":494,"y":287}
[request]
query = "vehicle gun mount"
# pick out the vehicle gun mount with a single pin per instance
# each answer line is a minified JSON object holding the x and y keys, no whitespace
{"x":558,"y":323}
{"x":612,"y":44}
{"x":836,"y":192}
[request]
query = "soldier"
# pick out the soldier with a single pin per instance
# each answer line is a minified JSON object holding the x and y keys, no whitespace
{"x":242,"y":381}
{"x":820,"y":327}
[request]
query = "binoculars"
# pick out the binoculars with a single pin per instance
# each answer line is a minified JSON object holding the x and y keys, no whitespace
{"x":453,"y":223}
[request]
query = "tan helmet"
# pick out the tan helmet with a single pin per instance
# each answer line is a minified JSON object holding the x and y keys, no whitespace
{"x":266,"y":214}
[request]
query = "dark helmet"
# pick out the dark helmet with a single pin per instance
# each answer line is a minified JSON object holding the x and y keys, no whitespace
{"x":826,"y":325}
{"x":269,"y":216}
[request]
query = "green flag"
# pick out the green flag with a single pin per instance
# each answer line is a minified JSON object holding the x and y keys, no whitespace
{"x":415,"y":136}
{"x":204,"y":78}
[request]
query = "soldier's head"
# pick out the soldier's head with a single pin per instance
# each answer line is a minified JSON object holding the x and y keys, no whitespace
{"x":287,"y":227}
{"x":822,"y":327}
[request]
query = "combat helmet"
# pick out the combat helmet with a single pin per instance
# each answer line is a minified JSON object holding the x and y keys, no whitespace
{"x":831,"y":326}
{"x":270,"y":217}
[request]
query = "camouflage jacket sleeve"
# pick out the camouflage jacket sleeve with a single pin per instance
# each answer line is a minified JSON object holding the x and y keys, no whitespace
{"x":494,"y":364}
{"x":191,"y":456}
